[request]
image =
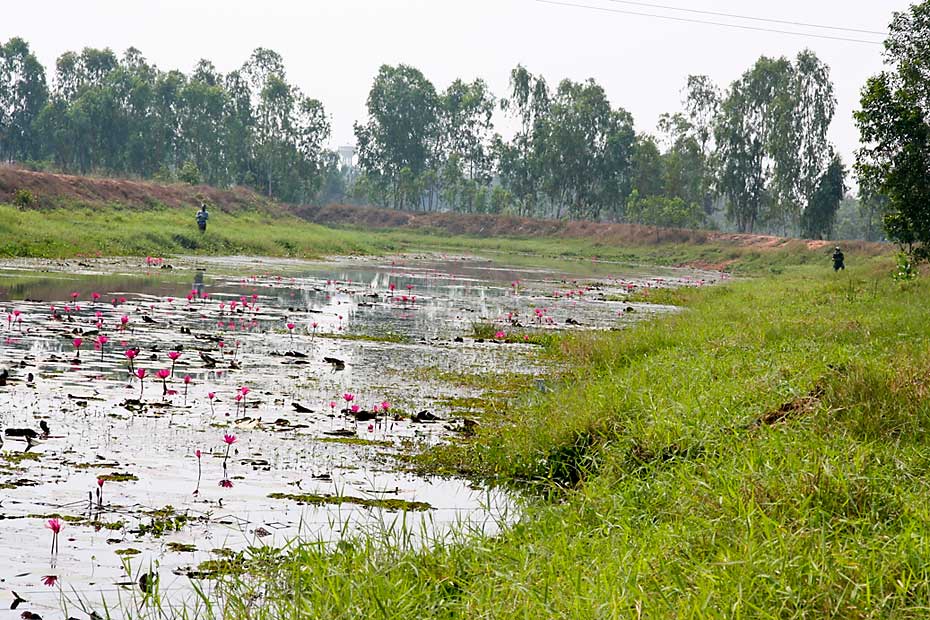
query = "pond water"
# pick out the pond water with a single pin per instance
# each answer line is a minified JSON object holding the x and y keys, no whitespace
{"x":301,"y":337}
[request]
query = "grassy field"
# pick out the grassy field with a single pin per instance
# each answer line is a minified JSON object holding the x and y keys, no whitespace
{"x":762,"y":455}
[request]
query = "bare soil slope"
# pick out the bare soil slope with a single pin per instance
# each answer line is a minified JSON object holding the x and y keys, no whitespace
{"x":61,"y":190}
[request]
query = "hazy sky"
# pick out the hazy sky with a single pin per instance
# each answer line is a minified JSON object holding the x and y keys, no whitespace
{"x":333,"y":49}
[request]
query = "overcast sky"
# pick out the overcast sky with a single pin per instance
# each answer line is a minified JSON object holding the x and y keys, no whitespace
{"x":333,"y":49}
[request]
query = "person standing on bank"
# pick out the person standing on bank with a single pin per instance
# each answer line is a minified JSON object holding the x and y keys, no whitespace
{"x":202,"y":217}
{"x":838,"y":259}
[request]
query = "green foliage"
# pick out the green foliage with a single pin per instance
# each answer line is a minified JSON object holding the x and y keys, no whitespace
{"x":818,"y":218}
{"x":894,"y":125}
{"x":771,"y":139}
{"x":904,"y":268}
{"x":189,"y":173}
{"x":126,"y":116}
{"x":662,"y":211}
{"x":23,"y":198}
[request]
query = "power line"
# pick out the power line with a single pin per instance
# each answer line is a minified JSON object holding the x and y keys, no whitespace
{"x":706,"y":22}
{"x":748,"y":17}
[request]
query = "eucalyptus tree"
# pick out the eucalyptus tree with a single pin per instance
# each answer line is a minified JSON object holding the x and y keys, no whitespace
{"x":204,"y":124}
{"x":819,"y":215}
{"x":518,"y":160}
{"x":23,"y":93}
{"x":398,"y":142}
{"x":771,"y":145}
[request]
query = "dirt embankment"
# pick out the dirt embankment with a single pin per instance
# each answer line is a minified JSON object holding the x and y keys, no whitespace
{"x":600,"y":232}
{"x":61,"y":190}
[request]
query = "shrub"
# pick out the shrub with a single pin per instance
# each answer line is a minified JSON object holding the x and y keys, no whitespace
{"x":189,"y":173}
{"x":24,"y":198}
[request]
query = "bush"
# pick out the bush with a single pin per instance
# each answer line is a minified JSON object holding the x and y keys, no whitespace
{"x":23,"y":198}
{"x":189,"y":173}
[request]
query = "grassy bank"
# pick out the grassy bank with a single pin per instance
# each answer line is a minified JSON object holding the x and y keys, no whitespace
{"x":115,"y":230}
{"x":763,"y":454}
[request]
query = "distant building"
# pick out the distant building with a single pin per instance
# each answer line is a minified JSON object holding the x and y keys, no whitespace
{"x":346,"y":156}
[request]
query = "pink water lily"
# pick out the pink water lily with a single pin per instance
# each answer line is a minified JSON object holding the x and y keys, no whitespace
{"x":173,"y":356}
{"x":55,"y":525}
{"x":141,"y":374}
{"x":229,"y":440}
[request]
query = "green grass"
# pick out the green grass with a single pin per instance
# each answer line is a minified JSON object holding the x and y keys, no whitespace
{"x":762,"y":455}
{"x":113,"y":230}
{"x":109,"y":231}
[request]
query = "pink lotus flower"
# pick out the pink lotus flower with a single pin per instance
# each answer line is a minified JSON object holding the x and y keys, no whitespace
{"x":229,"y":439}
{"x":174,"y":355}
{"x":187,"y":379}
{"x":348,"y":397}
{"x":54,"y":525}
{"x":500,"y":335}
{"x":197,"y":453}
{"x":140,"y":372}
{"x":50,"y":580}
{"x":163,"y":373}
{"x":226,"y":483}
{"x":354,"y":408}
{"x":385,"y":405}
{"x":244,"y":390}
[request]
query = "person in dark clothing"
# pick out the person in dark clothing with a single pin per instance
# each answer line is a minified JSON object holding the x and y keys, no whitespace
{"x":202,"y":217}
{"x":838,"y":259}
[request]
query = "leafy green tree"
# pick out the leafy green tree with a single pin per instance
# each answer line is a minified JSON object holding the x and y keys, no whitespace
{"x":648,"y":167}
{"x":894,"y":125}
{"x":685,"y":166}
{"x":818,"y":218}
{"x":23,"y":93}
{"x":771,"y":145}
{"x":798,"y":144}
{"x":466,"y":127}
{"x":518,"y":160}
{"x":584,"y":149}
{"x":399,"y":141}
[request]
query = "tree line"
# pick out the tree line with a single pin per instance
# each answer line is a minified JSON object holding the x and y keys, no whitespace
{"x":101,"y":113}
{"x":753,"y":156}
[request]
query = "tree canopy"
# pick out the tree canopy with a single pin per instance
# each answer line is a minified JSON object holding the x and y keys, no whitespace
{"x":894,"y":124}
